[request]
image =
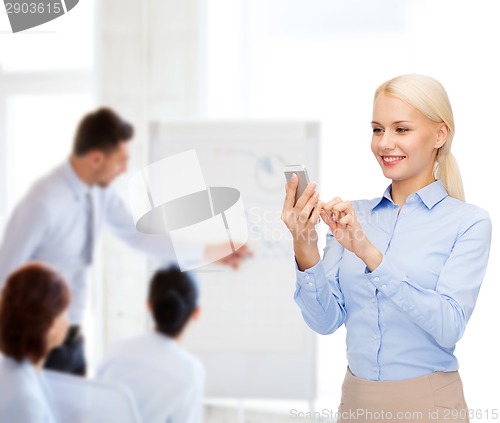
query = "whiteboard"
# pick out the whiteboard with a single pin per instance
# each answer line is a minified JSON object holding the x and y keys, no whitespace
{"x":251,"y":336}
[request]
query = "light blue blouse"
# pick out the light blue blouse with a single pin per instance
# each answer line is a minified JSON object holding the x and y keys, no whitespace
{"x":24,"y":395}
{"x":404,"y":318}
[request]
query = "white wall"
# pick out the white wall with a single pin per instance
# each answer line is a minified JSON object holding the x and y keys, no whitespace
{"x":149,"y":66}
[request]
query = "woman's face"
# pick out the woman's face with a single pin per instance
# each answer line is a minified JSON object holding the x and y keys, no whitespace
{"x":58,"y":330}
{"x":405,"y":142}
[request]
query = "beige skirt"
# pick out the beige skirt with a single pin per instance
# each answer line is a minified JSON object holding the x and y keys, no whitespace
{"x":437,"y":397}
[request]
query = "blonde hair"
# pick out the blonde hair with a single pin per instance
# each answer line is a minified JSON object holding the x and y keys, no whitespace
{"x":429,"y":97}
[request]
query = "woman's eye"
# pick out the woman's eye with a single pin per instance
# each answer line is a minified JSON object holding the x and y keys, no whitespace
{"x":377,"y":130}
{"x":402,"y":130}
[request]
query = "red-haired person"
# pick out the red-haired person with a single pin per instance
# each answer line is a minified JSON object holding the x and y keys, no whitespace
{"x":33,"y":321}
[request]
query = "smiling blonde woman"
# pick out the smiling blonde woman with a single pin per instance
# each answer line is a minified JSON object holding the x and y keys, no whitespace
{"x":402,"y":271}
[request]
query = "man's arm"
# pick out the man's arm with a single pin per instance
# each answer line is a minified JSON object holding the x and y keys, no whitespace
{"x":159,"y":246}
{"x":24,"y":232}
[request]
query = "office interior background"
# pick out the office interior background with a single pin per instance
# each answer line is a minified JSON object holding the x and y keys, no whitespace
{"x":256,"y":60}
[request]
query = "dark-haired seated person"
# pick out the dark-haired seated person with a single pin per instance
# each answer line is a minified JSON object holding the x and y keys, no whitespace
{"x":33,"y":321}
{"x":166,"y":381}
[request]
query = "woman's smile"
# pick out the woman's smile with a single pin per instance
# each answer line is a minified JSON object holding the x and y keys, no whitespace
{"x":392,"y":160}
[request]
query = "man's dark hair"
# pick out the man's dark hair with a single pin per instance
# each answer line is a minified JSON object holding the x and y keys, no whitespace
{"x":173,"y":296}
{"x":101,"y":130}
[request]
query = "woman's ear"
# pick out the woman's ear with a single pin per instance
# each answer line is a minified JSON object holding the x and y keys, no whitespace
{"x":51,"y":334}
{"x":442,"y":135}
{"x":196,"y":313}
{"x":58,"y":330}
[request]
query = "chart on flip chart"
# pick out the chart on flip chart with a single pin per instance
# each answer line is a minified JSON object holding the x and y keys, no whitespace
{"x":251,"y":336}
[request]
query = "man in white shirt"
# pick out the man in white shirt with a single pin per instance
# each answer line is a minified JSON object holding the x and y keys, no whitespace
{"x":166,"y":381}
{"x":58,"y":221}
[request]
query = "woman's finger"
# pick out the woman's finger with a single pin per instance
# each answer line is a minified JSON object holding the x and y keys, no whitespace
{"x":332,"y":223}
{"x":329,"y":206}
{"x":325,"y":218}
{"x":346,"y":220}
{"x":336,"y":215}
{"x":343,"y":206}
{"x":314,"y":219}
{"x":308,"y":208}
{"x":291,"y":190}
{"x":306,"y":196}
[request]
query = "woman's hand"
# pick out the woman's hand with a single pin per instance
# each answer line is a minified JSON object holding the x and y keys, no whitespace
{"x":341,"y":219}
{"x":301,"y":219}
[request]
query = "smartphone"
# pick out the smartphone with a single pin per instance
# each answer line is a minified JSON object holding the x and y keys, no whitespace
{"x":301,"y":171}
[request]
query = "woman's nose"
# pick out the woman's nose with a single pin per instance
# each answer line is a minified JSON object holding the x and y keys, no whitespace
{"x":386,"y":142}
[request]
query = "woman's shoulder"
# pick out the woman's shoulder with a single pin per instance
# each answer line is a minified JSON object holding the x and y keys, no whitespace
{"x":468,"y":208}
{"x":467,"y":214}
{"x":19,"y":387}
{"x":450,"y":203}
{"x":15,"y":373}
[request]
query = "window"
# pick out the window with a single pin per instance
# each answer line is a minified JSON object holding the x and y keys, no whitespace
{"x":40,"y":130}
{"x":46,"y":85}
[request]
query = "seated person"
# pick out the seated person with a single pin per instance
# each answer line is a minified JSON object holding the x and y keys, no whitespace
{"x":33,"y":321}
{"x":166,"y":381}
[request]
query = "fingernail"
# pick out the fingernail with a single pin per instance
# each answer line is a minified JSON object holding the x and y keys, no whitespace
{"x":294,"y":177}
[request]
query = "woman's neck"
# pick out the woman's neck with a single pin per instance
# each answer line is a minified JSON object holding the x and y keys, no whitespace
{"x":39,"y":366}
{"x":400,"y":190}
